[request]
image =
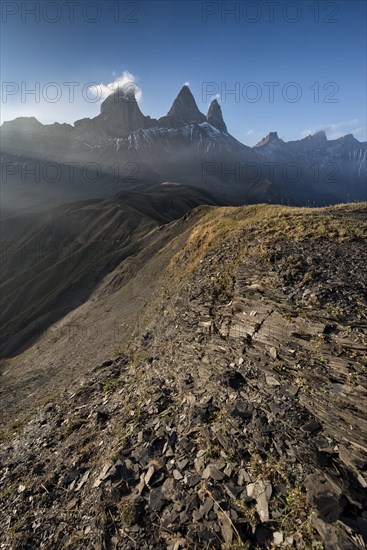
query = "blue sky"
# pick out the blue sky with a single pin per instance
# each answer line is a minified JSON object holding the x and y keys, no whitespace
{"x":313,"y":61}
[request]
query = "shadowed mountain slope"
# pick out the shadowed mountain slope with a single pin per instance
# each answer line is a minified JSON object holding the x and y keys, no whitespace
{"x":53,"y":259}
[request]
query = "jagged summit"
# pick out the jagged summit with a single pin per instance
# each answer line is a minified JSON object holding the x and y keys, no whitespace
{"x":215,"y":117}
{"x":320,"y":135}
{"x":272,"y":137}
{"x":348,"y":138}
{"x":317,"y":137}
{"x":184,"y":107}
{"x":120,"y":113}
{"x":122,"y":94}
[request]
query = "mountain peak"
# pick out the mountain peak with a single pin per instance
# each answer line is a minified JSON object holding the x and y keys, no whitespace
{"x":320,"y":135}
{"x":23,"y":122}
{"x":215,"y":117}
{"x":184,"y":107}
{"x":120,"y":112}
{"x":122,"y":94}
{"x":272,"y":137}
{"x":348,"y":138}
{"x":318,"y":139}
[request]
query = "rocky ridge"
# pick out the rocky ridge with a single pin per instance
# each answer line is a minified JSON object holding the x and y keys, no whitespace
{"x":234,"y":419}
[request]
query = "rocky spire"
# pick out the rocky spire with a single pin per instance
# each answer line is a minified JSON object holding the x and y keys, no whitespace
{"x":121,"y":114}
{"x":321,"y":136}
{"x":184,"y":107}
{"x":215,"y":117}
{"x":272,"y":137}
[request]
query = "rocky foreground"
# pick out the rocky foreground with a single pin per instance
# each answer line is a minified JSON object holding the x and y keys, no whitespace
{"x":236,"y":417}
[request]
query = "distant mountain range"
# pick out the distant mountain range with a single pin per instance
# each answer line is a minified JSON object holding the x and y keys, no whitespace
{"x":122,"y":145}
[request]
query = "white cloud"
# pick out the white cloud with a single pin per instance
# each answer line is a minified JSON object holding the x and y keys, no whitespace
{"x":358,"y":131}
{"x":336,"y":130}
{"x":254,"y":135}
{"x":213,"y":97}
{"x":126,"y":81}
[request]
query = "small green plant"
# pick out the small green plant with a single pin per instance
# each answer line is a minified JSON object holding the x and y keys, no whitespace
{"x":268,"y":468}
{"x":103,"y":518}
{"x":46,"y":400}
{"x":294,"y":514}
{"x":111,"y":385}
{"x":128,"y":512}
{"x":248,"y":510}
{"x":18,"y":526}
{"x":17,"y":427}
{"x":237,"y":545}
{"x":4,"y":436}
{"x":213,"y":451}
{"x":296,"y":519}
{"x":74,"y":425}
